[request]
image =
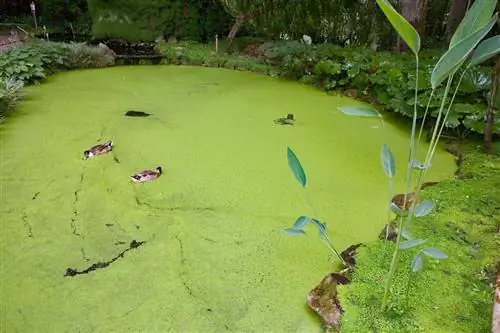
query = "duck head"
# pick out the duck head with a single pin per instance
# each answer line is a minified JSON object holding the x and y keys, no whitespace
{"x":87,"y":154}
{"x":159,"y":169}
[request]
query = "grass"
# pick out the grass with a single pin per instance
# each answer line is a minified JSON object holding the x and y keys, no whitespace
{"x":454,"y":295}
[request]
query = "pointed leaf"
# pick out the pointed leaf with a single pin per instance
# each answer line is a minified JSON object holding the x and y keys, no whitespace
{"x":321,"y":226}
{"x":399,"y":23}
{"x":296,"y":167}
{"x":423,"y":208}
{"x":411,"y":243}
{"x":388,"y":161}
{"x":359,"y":111}
{"x":300,"y":222}
{"x":294,"y":232}
{"x":396,"y":210}
{"x":486,"y":50}
{"x":454,"y":57}
{"x":434,"y":253}
{"x":417,"y":263}
{"x":475,"y":18}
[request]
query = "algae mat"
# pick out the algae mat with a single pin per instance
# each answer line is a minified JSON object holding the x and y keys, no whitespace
{"x":201,"y":249}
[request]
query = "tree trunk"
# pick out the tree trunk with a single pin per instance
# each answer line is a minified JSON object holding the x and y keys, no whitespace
{"x":240,"y":20}
{"x":488,"y":131}
{"x":415,"y":12}
{"x":457,"y":13}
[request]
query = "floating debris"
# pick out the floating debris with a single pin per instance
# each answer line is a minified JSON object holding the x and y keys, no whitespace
{"x":133,"y":113}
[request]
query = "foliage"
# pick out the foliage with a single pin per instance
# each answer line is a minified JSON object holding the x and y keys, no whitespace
{"x":462,"y":50}
{"x":32,"y":62}
{"x":451,"y":297}
{"x":11,"y":91}
{"x":81,"y":55}
{"x":299,"y":225}
{"x":336,"y":21}
{"x":149,"y":19}
{"x":192,"y":53}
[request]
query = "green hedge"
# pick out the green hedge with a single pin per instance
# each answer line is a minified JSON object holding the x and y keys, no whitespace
{"x":147,"y":20}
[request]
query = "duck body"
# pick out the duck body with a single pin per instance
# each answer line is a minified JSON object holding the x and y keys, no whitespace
{"x":146,"y":175}
{"x":98,"y":149}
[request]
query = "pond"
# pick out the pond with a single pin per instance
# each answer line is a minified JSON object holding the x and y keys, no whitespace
{"x":201,"y":248}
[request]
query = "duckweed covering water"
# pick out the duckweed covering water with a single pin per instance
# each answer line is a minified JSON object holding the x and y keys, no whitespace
{"x":214,"y":256}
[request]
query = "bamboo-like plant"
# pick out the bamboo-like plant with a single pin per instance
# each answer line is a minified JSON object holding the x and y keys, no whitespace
{"x":466,"y":49}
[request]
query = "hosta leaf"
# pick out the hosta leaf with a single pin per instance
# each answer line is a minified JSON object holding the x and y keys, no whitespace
{"x":296,"y":167}
{"x":434,"y":253}
{"x":454,"y":57}
{"x":294,"y":232}
{"x":300,"y":222}
{"x":359,"y":111}
{"x":487,"y":49}
{"x":417,"y":263}
{"x":423,"y":208}
{"x":401,"y":25}
{"x":475,"y":18}
{"x":388,"y":161}
{"x":475,"y":79}
{"x":408,"y":244}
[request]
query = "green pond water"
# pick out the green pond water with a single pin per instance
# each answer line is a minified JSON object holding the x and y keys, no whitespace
{"x":215,"y":257}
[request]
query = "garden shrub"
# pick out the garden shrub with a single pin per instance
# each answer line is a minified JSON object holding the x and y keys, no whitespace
{"x":81,"y":55}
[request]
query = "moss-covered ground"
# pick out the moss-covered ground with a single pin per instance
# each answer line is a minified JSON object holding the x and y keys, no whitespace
{"x":451,"y":295}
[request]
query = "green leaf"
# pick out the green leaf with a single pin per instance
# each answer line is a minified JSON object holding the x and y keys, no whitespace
{"x":321,"y":226}
{"x":396,"y":210}
{"x":486,"y":50}
{"x":296,"y":167}
{"x":408,"y":244}
{"x":359,"y":111}
{"x":388,"y":161}
{"x":294,"y":232}
{"x":454,"y":57}
{"x":475,"y":18}
{"x":300,"y":223}
{"x":406,"y":234}
{"x":434,"y":253}
{"x":417,"y":263}
{"x":399,"y":23}
{"x":423,"y":208}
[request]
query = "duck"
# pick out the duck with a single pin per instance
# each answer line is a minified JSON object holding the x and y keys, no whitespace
{"x":98,"y":149}
{"x":289,"y":120}
{"x":146,"y":175}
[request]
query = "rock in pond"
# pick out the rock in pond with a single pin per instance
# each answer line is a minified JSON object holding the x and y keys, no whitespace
{"x":323,"y":298}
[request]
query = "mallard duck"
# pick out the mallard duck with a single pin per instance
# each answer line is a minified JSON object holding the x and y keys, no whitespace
{"x":99,"y":149}
{"x":146,"y":175}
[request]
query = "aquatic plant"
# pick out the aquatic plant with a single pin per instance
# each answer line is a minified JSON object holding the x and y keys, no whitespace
{"x":297,"y":228}
{"x":466,"y":49}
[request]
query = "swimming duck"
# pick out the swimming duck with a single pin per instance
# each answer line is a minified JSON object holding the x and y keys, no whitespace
{"x":99,"y":149}
{"x":146,"y":175}
{"x":289,"y":120}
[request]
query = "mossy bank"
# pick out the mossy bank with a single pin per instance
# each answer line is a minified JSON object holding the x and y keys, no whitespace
{"x":452,"y":295}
